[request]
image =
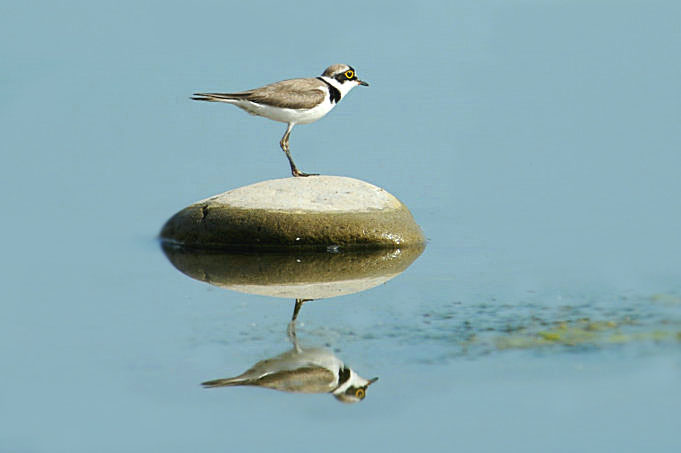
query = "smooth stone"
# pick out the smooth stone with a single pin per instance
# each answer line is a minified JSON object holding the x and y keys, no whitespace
{"x":305,"y":212}
{"x":301,"y":275}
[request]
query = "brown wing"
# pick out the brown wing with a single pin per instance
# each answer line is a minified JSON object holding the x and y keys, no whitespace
{"x":303,"y":380}
{"x":309,"y":379}
{"x":292,"y":94}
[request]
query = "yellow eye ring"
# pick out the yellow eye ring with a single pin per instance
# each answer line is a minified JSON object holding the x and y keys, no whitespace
{"x":359,"y":393}
{"x":349,"y":74}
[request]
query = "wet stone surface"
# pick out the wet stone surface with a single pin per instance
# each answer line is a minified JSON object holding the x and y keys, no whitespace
{"x":314,"y":212}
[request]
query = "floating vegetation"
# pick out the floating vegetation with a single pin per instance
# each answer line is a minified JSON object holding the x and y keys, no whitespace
{"x":444,"y":330}
{"x":584,"y":332}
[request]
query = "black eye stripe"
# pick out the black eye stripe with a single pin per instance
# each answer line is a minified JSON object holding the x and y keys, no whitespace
{"x":342,"y":78}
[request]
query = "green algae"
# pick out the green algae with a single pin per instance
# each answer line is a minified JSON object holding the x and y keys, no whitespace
{"x":584,"y":332}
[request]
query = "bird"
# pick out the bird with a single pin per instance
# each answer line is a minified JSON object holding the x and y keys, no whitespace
{"x":313,"y":370}
{"x":293,"y":101}
{"x":309,"y":370}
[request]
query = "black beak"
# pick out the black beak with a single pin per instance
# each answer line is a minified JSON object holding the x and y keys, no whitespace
{"x":363,"y":83}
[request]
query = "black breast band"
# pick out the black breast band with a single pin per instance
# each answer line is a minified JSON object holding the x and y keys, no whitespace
{"x":334,"y":94}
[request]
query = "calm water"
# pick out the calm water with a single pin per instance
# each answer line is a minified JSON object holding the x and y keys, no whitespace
{"x":536,"y":143}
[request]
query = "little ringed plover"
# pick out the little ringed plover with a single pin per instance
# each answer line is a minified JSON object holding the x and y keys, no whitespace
{"x":294,"y":101}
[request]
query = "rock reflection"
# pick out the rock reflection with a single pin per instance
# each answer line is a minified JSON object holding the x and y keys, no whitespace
{"x":303,"y":276}
{"x":295,"y":275}
{"x":302,"y":370}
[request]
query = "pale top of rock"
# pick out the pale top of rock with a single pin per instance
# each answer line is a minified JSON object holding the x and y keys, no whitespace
{"x":311,"y":194}
{"x":317,"y":290}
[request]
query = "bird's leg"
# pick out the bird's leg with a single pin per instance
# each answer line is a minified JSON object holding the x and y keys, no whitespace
{"x":284,"y":146}
{"x":296,"y":309}
{"x":291,"y":331}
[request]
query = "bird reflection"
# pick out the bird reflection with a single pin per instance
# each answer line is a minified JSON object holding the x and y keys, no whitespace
{"x":309,"y":370}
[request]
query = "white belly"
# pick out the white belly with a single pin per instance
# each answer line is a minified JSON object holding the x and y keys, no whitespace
{"x":297,"y":116}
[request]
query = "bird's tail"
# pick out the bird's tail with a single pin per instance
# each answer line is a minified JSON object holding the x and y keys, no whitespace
{"x":218,"y":97}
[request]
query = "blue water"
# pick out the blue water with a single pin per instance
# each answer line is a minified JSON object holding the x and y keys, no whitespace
{"x":536,"y":143}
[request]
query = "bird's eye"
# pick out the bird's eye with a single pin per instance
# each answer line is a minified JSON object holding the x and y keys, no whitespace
{"x":349,"y":74}
{"x":359,"y":393}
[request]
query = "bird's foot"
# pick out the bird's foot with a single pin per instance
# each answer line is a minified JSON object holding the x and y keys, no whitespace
{"x":297,"y":172}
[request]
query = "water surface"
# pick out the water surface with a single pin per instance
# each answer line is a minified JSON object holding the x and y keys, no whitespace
{"x":536,"y":143}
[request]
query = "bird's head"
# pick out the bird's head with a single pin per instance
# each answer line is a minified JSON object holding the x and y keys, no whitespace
{"x":354,"y":389}
{"x":343,"y":77}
